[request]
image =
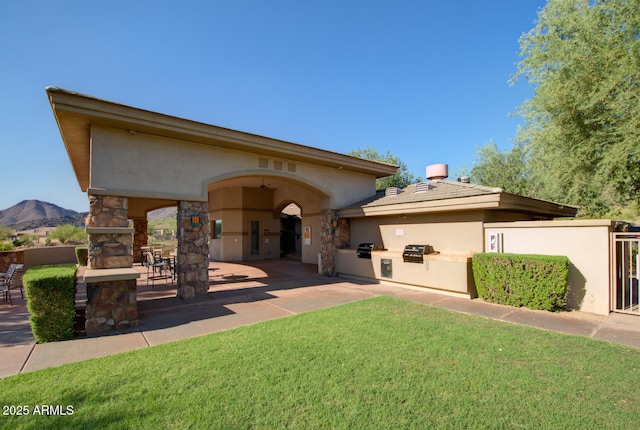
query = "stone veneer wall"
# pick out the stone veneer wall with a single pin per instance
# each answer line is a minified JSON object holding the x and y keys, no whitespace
{"x":7,"y":258}
{"x":342,"y":234}
{"x":111,"y":306}
{"x":111,"y":302}
{"x":140,"y":238}
{"x":193,"y":249}
{"x":109,"y":250}
{"x":327,"y":246}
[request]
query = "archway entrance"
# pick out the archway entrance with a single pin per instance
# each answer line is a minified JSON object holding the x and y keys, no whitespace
{"x":262,"y":217}
{"x":291,"y":232}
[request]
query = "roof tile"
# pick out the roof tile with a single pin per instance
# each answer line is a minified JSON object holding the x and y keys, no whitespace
{"x":436,"y":190}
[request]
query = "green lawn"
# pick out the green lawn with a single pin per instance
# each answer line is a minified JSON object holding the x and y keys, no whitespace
{"x":378,"y":363}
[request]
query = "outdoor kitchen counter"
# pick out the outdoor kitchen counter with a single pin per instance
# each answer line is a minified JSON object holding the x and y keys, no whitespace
{"x":443,"y":271}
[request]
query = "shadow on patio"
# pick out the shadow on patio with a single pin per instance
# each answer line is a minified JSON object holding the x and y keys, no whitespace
{"x":232,"y":287}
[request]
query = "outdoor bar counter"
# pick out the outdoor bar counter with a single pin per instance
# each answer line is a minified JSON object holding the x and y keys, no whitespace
{"x":445,"y":271}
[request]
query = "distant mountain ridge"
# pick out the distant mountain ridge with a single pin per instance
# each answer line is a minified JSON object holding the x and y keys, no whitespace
{"x":30,"y":214}
{"x":162,"y":214}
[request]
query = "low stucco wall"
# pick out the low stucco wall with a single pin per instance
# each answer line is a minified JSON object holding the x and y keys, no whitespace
{"x":584,"y":242}
{"x":456,"y":236}
{"x":450,"y":273}
{"x":31,"y":257}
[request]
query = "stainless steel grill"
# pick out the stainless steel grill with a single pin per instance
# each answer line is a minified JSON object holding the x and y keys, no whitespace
{"x":415,"y":253}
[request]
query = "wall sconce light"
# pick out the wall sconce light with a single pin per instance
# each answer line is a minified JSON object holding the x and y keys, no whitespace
{"x":195,"y":220}
{"x":334,"y":223}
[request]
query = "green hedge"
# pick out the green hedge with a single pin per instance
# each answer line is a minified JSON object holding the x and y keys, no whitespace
{"x":82,"y":255}
{"x":533,"y":281}
{"x":50,"y":292}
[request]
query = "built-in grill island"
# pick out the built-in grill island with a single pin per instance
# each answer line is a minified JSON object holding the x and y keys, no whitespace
{"x":364,"y":250}
{"x":416,"y":264}
{"x":415,"y":253}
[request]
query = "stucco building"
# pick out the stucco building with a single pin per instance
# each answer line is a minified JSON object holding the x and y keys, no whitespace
{"x":230,"y":188}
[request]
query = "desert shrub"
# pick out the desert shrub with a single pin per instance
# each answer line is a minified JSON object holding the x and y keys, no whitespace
{"x":5,"y":233}
{"x":28,"y":240}
{"x":50,"y":292}
{"x":68,"y":233}
{"x":533,"y":281}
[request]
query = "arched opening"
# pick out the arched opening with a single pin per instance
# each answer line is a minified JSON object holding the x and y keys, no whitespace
{"x":162,"y":227}
{"x":291,"y":232}
{"x":262,"y":217}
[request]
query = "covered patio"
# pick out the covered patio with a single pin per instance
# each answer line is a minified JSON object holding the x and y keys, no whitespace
{"x":131,"y":161}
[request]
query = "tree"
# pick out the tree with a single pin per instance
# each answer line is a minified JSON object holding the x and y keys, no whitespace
{"x":26,"y":240}
{"x":508,"y":170}
{"x":68,"y":233}
{"x":5,"y":233}
{"x":582,"y":126}
{"x":401,"y":179}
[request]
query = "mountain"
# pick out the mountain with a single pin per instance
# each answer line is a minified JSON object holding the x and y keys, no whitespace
{"x":30,"y":214}
{"x":34,"y":213}
{"x":162,"y":214}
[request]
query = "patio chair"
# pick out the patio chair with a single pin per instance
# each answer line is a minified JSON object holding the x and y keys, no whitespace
{"x":143,"y":256}
{"x":161,"y":266}
{"x":11,"y":279}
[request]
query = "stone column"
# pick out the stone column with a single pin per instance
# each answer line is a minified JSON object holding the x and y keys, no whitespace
{"x":193,"y":249}
{"x":140,"y":238}
{"x":110,"y":280}
{"x":109,"y":238}
{"x":328,"y":242}
{"x":342,"y":234}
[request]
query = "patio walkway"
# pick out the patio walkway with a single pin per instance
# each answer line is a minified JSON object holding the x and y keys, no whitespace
{"x":242,"y":294}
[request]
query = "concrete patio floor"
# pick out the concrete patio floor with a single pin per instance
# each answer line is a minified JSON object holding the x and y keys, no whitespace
{"x":246,"y":293}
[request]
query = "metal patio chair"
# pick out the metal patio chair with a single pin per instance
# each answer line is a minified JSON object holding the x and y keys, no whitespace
{"x":11,"y":280}
{"x":158,"y":268}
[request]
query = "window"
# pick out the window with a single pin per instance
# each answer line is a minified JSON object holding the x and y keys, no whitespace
{"x":217,"y":229}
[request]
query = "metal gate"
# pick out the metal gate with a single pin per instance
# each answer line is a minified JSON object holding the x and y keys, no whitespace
{"x":625,"y":272}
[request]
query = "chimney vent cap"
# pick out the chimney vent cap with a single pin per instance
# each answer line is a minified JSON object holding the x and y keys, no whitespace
{"x":437,"y":171}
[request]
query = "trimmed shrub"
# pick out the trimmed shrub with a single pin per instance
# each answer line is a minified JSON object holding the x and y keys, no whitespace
{"x":533,"y":281}
{"x":82,"y":255}
{"x":50,"y":292}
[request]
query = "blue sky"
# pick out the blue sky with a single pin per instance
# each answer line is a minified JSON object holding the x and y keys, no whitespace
{"x":426,"y":80}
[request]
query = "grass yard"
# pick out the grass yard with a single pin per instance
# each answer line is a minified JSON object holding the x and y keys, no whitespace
{"x":378,"y":363}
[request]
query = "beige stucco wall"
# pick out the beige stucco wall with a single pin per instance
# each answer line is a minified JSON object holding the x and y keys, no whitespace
{"x":585,"y":243}
{"x":258,"y":206}
{"x":49,"y":255}
{"x":238,"y":206}
{"x":452,"y":233}
{"x":310,"y":251}
{"x":135,"y":164}
{"x":456,"y":236}
{"x":226,"y":205}
{"x":450,"y":273}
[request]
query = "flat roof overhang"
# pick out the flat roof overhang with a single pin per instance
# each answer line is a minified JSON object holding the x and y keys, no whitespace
{"x":497,"y":201}
{"x":75,"y":113}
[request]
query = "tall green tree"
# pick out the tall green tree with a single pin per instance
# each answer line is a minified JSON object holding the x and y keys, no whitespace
{"x":508,"y":170}
{"x":582,"y":125}
{"x":401,"y":179}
